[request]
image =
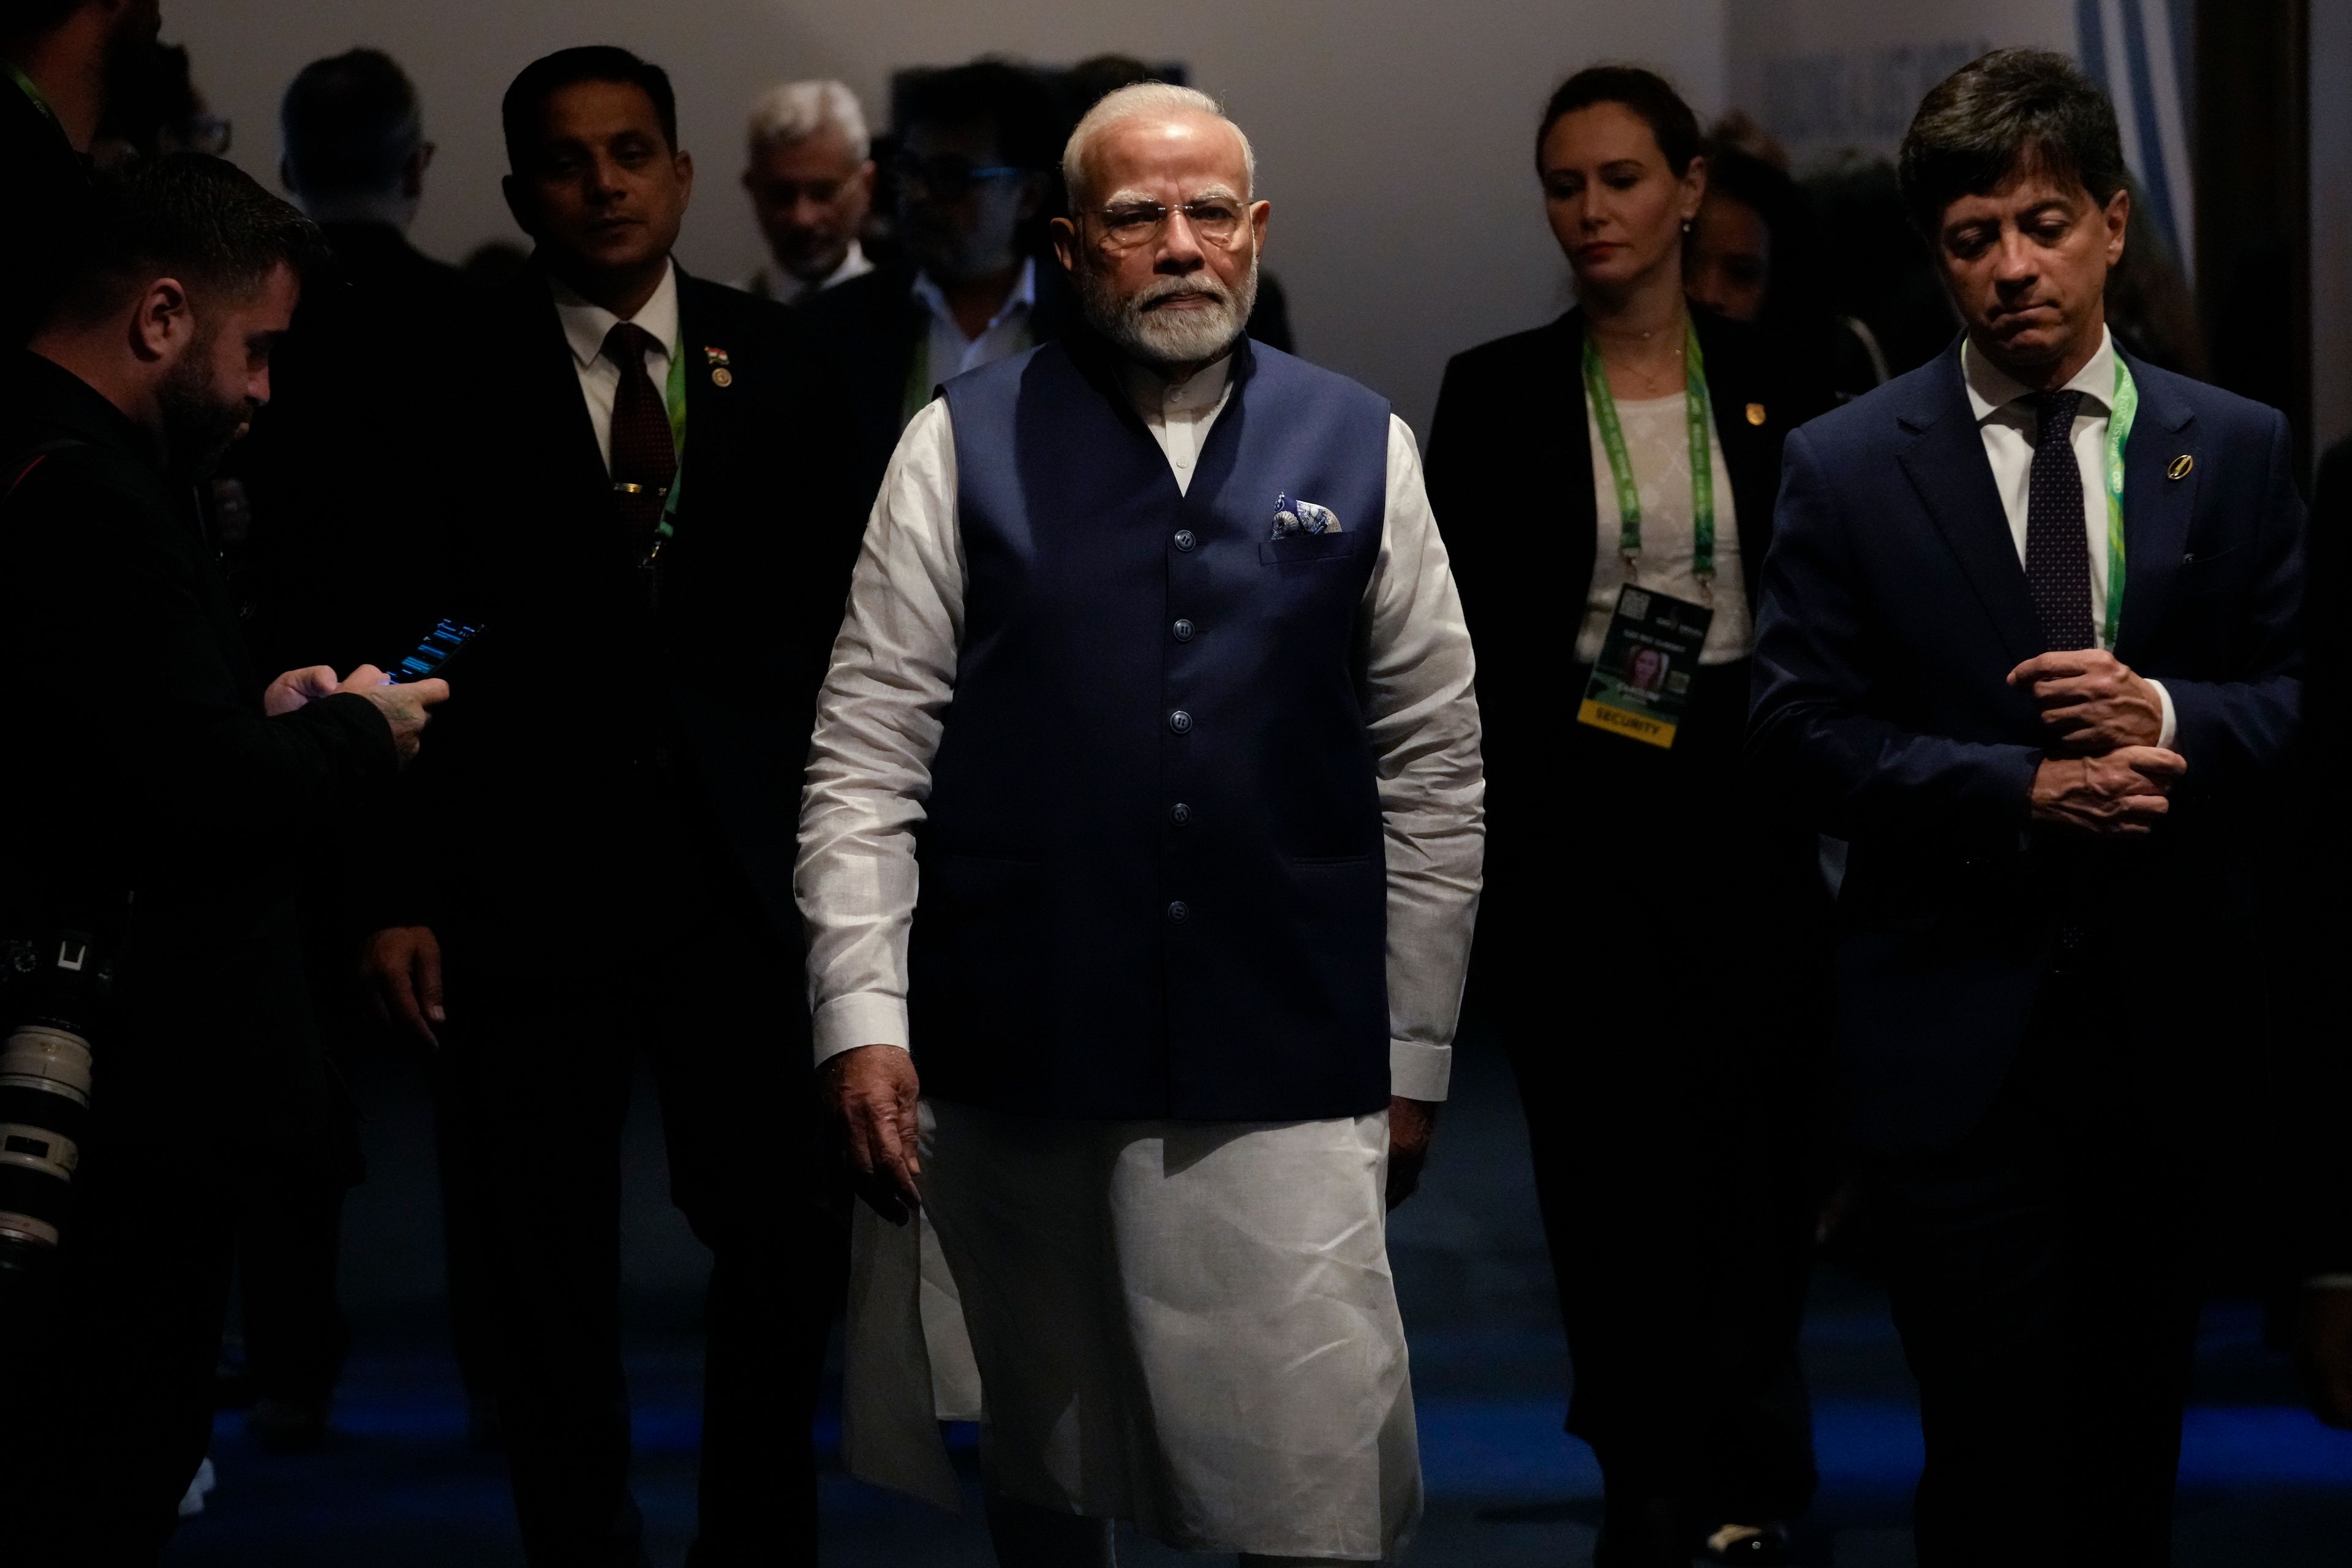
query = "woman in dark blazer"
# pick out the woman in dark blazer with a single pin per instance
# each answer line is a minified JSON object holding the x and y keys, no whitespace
{"x":1643,"y":942}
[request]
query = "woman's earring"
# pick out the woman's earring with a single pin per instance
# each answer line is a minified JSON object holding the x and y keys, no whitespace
{"x":1686,"y":225}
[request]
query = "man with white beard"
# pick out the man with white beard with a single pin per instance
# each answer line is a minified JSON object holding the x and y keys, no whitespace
{"x":1153,"y":663}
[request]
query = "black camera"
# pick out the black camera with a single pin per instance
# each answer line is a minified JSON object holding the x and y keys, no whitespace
{"x":57,"y":992}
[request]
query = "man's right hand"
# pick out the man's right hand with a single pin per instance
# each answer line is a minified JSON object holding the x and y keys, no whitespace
{"x":2120,"y":794}
{"x":873,"y":1089}
{"x":406,"y":706}
{"x":401,"y":967}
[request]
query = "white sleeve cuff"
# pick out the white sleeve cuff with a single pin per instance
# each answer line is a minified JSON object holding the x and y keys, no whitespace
{"x":1418,"y":1070}
{"x":2164,"y":737}
{"x":860,"y":1018}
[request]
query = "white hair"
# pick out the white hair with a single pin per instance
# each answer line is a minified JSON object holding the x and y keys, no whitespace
{"x":1144,"y":101}
{"x":799,"y":109}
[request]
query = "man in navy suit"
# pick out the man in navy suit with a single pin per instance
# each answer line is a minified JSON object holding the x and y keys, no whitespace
{"x":2028,"y":640}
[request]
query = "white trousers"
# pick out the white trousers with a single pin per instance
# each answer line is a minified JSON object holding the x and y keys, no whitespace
{"x":1187,"y":1325}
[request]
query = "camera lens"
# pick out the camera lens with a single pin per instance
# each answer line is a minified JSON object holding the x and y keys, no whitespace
{"x":44,"y":1081}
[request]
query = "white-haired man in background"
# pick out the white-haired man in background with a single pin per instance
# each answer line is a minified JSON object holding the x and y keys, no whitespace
{"x":811,"y":182}
{"x":1154,"y":637}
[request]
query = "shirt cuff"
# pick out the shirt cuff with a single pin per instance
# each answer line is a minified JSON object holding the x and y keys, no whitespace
{"x":1418,"y":1070}
{"x":860,"y":1018}
{"x":2329,"y":1282}
{"x":2171,"y":727}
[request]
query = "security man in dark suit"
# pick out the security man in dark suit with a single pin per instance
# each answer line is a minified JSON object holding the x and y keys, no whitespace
{"x":654,"y":474}
{"x":326,"y":481}
{"x":2029,"y":641}
{"x":61,"y":58}
{"x":154,"y":772}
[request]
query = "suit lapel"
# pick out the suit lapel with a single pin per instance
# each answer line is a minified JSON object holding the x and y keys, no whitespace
{"x":711,"y":416}
{"x":1947,"y":467}
{"x":2157,"y":507}
{"x":1560,"y":404}
{"x":553,"y":387}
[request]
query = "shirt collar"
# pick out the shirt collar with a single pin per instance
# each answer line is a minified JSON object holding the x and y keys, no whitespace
{"x":1023,"y":295}
{"x":1992,"y":389}
{"x":781,"y":285}
{"x":586,"y":324}
{"x":1155,"y":393}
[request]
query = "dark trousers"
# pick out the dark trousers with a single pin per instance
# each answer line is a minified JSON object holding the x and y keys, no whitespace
{"x":537,"y":1085}
{"x":288,"y":1253}
{"x":1651,"y":963}
{"x":107,"y":1359}
{"x":2043,"y":1282}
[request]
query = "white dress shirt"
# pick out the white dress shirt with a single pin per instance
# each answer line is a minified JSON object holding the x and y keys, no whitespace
{"x":772,"y":282}
{"x":1658,"y":445}
{"x":893,"y":675}
{"x":951,"y":353}
{"x":585,"y":327}
{"x":2004,"y":411}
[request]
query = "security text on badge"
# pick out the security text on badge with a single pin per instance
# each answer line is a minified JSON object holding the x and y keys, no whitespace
{"x":1640,"y":685}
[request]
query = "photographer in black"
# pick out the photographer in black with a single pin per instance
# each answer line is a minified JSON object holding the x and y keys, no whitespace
{"x":158,"y":798}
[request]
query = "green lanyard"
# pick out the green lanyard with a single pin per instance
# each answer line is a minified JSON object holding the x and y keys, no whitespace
{"x":674,"y":397}
{"x":2119,"y":428}
{"x":1698,"y":414}
{"x":40,"y":100}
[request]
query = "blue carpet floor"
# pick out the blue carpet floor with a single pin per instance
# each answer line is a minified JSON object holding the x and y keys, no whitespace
{"x":2263,"y":1486}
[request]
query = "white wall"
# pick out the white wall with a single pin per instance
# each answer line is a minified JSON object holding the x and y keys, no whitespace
{"x":1393,"y":136}
{"x":1833,"y":77}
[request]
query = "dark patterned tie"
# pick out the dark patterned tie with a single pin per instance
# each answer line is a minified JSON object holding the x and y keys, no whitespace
{"x":2057,"y":544}
{"x":643,"y":460}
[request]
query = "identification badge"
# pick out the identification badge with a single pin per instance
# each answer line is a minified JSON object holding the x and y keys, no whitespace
{"x":1641,"y":686}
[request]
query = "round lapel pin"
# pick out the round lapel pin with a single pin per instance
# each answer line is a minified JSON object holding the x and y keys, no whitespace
{"x":722,"y":376}
{"x":2181,"y":467}
{"x":1756,"y":414}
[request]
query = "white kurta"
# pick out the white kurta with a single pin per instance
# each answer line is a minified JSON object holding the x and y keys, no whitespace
{"x":1189,"y":1325}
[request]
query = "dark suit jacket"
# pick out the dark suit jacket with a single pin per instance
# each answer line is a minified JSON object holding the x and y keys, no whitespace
{"x":145,"y":764}
{"x":46,"y":181}
{"x":1510,"y":481}
{"x":346,"y":469}
{"x":875,"y":325}
{"x":589,"y":715}
{"x":1894,"y":607}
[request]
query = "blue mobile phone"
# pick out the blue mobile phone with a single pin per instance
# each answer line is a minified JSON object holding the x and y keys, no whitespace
{"x":435,"y":652}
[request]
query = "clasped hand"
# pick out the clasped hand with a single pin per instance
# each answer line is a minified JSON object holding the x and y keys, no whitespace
{"x":2105,"y":774}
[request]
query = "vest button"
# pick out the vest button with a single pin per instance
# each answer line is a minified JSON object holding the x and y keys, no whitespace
{"x":1183,"y":631}
{"x":1181,"y":721}
{"x":1186,"y":539}
{"x":1180,"y":814}
{"x":1177,"y":912}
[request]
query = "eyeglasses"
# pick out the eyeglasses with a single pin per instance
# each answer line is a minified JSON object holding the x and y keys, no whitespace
{"x":947,"y":176}
{"x":1215,"y":219}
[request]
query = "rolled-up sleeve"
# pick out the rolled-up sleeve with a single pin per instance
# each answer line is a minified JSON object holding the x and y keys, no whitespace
{"x":877,"y":728}
{"x":1421,"y":709}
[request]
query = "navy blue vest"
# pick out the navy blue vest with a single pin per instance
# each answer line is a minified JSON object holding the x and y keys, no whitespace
{"x":1153,"y":881}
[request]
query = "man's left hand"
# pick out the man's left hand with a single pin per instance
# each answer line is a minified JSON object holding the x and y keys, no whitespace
{"x":299,"y":689}
{"x":2093,"y":700}
{"x":1410,"y":1122}
{"x":2325,"y":1351}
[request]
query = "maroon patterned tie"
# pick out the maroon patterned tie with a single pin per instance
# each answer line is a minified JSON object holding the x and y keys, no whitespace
{"x":643,"y":460}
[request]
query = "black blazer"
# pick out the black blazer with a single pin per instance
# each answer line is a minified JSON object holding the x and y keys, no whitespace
{"x":345,"y":468}
{"x":584,"y":682}
{"x":1894,"y":608}
{"x":875,"y":325}
{"x":1510,"y":481}
{"x":48,"y":182}
{"x":142,"y":763}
